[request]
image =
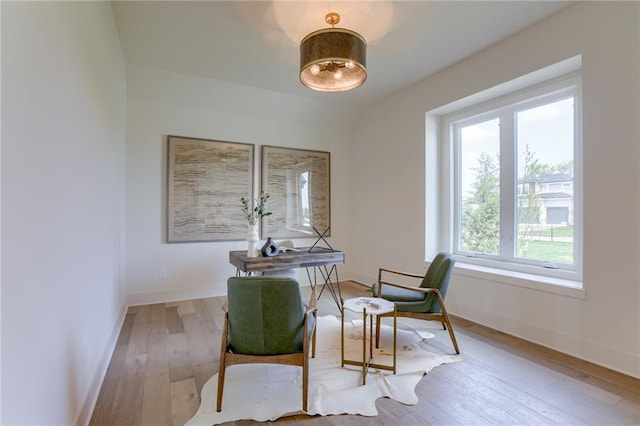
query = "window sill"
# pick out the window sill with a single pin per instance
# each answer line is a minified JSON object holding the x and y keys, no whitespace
{"x":535,"y":282}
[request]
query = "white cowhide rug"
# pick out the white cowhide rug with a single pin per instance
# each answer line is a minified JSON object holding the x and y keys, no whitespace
{"x":267,"y":391}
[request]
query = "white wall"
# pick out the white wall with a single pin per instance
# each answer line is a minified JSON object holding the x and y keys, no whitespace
{"x":162,"y":103}
{"x":63,"y":194}
{"x":604,"y":327}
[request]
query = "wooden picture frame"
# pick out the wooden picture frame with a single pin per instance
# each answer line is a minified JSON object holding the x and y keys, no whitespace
{"x":206,"y":180}
{"x":298,"y":182}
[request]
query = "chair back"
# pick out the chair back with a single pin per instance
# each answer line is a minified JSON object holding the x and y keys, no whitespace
{"x":266,"y":315}
{"x":437,"y":276}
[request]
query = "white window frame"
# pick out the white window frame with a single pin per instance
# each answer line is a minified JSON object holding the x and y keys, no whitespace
{"x":523,"y":98}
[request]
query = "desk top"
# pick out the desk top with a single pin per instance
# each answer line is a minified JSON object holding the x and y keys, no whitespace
{"x":288,"y":260}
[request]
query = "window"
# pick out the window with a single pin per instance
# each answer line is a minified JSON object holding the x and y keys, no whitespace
{"x":514,"y":177}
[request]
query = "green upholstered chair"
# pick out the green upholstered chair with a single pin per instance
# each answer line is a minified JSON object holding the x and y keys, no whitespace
{"x":423,"y":302}
{"x":267,"y":322}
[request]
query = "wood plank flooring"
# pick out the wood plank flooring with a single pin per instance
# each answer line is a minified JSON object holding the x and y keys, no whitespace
{"x":166,"y":352}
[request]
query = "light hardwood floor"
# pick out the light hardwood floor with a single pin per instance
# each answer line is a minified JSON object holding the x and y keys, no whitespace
{"x":166,"y":352}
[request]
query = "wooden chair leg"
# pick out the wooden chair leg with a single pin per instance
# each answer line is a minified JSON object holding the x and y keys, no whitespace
{"x":313,"y":338}
{"x":305,"y":382}
{"x":221,"y":372}
{"x":305,"y":356}
{"x":445,"y":316}
{"x":222,"y":367}
{"x":453,"y":337}
{"x":378,"y":331}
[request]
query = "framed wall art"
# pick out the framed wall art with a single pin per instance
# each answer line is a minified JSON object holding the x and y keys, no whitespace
{"x":298,"y":182}
{"x":206,"y":180}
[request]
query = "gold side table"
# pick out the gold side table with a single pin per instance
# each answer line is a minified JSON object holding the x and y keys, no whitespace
{"x":370,"y":307}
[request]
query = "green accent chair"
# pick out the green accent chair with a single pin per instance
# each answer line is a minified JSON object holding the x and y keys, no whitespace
{"x":423,"y":302}
{"x":267,"y":322}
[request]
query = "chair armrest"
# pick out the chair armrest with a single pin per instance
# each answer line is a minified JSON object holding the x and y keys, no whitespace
{"x":409,"y":287}
{"x":423,"y":290}
{"x":392,"y":271}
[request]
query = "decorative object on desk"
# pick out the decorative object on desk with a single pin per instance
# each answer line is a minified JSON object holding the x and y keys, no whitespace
{"x":259,"y":211}
{"x":299,"y":182}
{"x":253,"y":215}
{"x":270,"y":248}
{"x":200,"y":206}
{"x":253,"y":240}
{"x":266,"y":392}
{"x":321,"y":237}
{"x":287,"y":245}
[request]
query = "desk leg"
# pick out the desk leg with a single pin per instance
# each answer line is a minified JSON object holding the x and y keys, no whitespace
{"x":365,"y":362}
{"x":371,"y":337}
{"x":327,"y":282}
{"x":246,"y":274}
{"x":313,"y":282}
{"x":341,"y":332}
{"x":395,"y":333}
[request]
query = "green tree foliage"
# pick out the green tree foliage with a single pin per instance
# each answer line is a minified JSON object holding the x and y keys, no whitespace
{"x":481,"y":211}
{"x":529,"y":202}
{"x":564,"y":167}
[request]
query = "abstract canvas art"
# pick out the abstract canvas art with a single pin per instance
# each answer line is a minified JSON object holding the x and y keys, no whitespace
{"x":206,"y":180}
{"x":298,"y":182}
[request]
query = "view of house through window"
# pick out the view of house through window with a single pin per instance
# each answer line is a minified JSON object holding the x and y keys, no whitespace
{"x":544,"y":138}
{"x":514,"y":179}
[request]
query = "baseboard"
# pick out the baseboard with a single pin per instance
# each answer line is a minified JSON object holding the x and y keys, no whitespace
{"x":362,"y":279}
{"x":91,"y":397}
{"x":620,"y":361}
{"x":358,"y":283}
{"x":174,"y":295}
{"x":587,"y":350}
{"x":189,"y":293}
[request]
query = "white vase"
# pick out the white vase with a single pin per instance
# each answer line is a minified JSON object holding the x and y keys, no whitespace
{"x":253,"y":240}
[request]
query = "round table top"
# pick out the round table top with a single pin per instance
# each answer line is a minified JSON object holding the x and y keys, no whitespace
{"x":374,"y":305}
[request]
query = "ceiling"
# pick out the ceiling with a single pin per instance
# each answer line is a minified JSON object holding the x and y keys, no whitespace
{"x":256,"y":43}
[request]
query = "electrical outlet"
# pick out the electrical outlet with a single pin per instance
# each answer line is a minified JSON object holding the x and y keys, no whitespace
{"x":162,"y":274}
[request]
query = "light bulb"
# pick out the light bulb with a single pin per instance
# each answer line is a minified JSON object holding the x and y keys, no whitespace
{"x":349,"y":64}
{"x":315,"y":69}
{"x":337,"y":74}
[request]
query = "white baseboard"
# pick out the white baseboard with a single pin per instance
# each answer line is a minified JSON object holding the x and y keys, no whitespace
{"x":363,"y":279}
{"x":174,"y":295}
{"x":91,"y":397}
{"x":591,"y":351}
{"x":605,"y":356}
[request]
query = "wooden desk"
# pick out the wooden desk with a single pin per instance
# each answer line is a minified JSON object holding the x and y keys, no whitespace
{"x":321,"y":261}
